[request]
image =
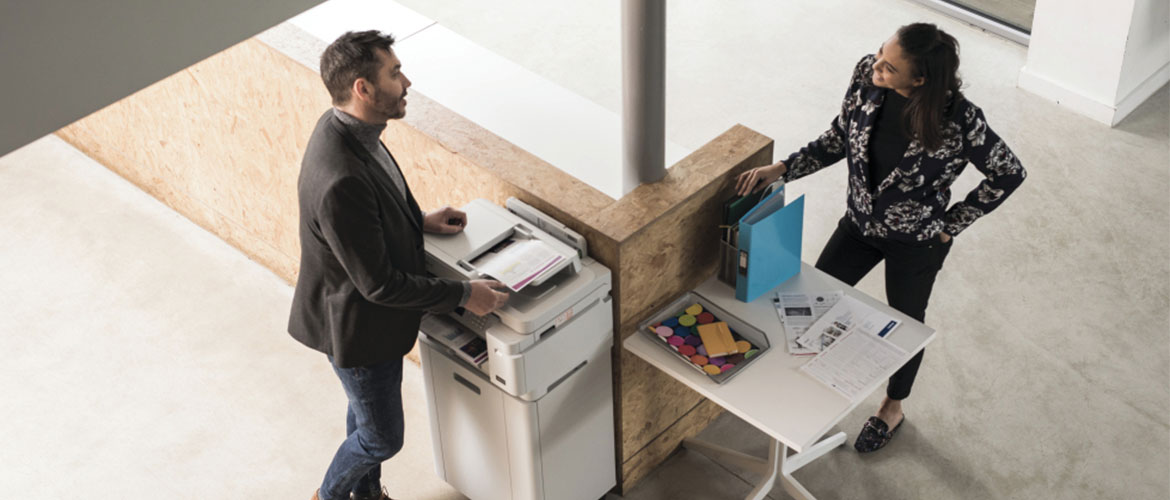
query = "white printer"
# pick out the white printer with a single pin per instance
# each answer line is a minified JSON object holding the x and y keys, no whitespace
{"x":533,"y":419}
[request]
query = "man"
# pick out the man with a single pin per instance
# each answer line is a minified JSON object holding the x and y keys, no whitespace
{"x":362,"y":287}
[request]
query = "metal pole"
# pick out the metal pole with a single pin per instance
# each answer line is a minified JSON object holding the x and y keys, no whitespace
{"x":643,"y":91}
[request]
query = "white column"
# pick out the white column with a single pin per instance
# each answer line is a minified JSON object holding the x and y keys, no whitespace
{"x":1099,"y":58}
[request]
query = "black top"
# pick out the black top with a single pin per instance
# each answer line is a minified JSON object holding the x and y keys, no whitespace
{"x":888,"y":144}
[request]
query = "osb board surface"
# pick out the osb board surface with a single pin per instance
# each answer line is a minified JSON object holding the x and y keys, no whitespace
{"x":440,"y":176}
{"x":659,"y":449}
{"x":220,"y":142}
{"x":652,"y":401}
{"x":667,"y":256}
{"x":736,"y":149}
{"x":577,"y":201}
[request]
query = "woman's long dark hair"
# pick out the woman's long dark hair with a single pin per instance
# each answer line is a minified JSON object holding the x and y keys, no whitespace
{"x":935,"y":57}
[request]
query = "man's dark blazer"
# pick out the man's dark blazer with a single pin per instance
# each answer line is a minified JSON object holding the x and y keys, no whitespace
{"x":362,"y":287}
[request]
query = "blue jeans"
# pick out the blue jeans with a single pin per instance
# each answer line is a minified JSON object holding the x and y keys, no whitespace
{"x":373,"y":426}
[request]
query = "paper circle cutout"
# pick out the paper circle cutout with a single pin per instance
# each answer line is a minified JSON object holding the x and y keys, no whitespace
{"x":702,"y":350}
{"x":686,"y":320}
{"x":675,"y":340}
{"x":699,"y":360}
{"x":694,"y":310}
{"x":717,"y":360}
{"x":743,"y":345}
{"x":694,"y":340}
{"x":686,"y":350}
{"x":704,"y":318}
{"x":749,"y":354}
{"x":725,"y":368}
{"x":712,"y":369}
{"x":671,"y":322}
{"x":664,"y":331}
{"x":682,"y":331}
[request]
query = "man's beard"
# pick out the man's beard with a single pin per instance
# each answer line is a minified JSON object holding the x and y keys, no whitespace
{"x":389,"y":105}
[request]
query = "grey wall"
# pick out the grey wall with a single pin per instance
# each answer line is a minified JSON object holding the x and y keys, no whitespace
{"x":64,"y":59}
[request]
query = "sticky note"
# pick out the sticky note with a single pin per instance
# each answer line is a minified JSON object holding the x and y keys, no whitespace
{"x":717,"y":339}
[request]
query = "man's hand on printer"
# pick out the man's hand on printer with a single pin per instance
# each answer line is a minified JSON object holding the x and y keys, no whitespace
{"x":445,"y":220}
{"x":485,"y":298}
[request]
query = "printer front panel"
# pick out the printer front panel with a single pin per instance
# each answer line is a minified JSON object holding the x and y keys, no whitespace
{"x":529,"y":374}
{"x":469,"y":422}
{"x":576,"y":432}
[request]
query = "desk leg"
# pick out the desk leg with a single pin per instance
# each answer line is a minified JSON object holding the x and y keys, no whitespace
{"x":778,"y":466}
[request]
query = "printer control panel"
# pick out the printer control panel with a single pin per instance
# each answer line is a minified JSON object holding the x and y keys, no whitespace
{"x":479,"y":324}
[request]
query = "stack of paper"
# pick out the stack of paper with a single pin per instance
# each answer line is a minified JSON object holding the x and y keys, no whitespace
{"x":463,"y":342}
{"x":518,"y":263}
{"x":798,"y":311}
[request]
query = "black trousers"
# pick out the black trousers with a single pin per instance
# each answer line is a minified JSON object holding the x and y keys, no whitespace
{"x":910,"y":273}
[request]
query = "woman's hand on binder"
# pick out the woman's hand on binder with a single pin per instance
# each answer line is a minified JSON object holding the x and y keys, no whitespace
{"x":486,"y":297}
{"x":756,"y":178}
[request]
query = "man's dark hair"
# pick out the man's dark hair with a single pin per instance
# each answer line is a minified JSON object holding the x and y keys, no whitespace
{"x":353,"y":55}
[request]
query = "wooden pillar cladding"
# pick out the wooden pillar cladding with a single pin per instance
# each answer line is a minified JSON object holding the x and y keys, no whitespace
{"x":668,"y":246}
{"x":221,"y":143}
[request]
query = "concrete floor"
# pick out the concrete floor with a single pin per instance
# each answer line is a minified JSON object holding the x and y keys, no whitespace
{"x":145,"y":358}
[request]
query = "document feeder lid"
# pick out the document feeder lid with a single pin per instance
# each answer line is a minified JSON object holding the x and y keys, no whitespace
{"x":488,"y":225}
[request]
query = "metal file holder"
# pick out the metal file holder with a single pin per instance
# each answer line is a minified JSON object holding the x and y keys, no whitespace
{"x":729,"y":244}
{"x":741,"y":328}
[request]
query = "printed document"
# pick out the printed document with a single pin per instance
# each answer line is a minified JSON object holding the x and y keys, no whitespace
{"x":518,"y":263}
{"x":798,"y":311}
{"x":854,"y":351}
{"x":463,"y":342}
{"x":853,"y":362}
{"x":847,"y":315}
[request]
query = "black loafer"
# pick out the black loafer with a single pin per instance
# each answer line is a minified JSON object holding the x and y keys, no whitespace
{"x":875,"y":434}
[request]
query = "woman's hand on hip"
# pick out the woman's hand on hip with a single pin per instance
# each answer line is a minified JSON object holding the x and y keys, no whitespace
{"x":756,"y":178}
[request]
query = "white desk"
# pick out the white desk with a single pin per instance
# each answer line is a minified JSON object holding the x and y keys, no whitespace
{"x":772,"y":394}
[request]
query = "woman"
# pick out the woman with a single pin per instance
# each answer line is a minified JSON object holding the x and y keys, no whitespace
{"x":906,"y":132}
